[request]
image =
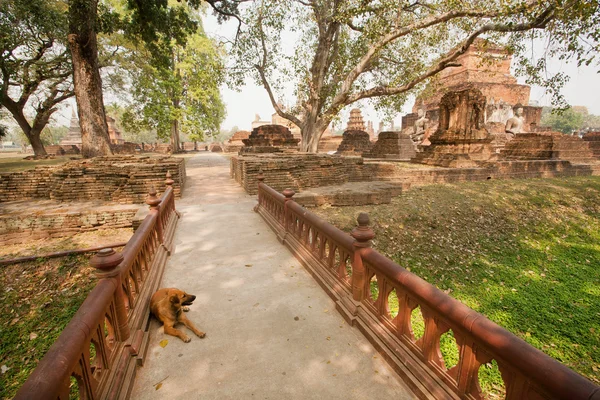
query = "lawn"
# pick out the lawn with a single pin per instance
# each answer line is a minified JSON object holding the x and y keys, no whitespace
{"x":16,"y":162}
{"x":525,"y":253}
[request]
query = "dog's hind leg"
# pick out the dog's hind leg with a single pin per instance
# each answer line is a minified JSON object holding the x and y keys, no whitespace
{"x":169,"y":330}
{"x":183,"y":319}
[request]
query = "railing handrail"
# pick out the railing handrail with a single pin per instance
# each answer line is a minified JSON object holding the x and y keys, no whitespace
{"x":135,"y":243}
{"x":57,"y":365}
{"x":542,"y":370}
{"x":106,"y":300}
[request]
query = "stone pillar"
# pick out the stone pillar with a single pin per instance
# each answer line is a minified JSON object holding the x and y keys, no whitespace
{"x":288,"y":193}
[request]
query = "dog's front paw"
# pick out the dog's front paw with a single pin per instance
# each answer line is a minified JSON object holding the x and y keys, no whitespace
{"x":186,"y":339}
{"x":201,"y":335}
{"x":185,"y":308}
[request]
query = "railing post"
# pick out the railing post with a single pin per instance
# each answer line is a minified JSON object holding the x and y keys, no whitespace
{"x":288,"y":193}
{"x":261,"y":178}
{"x":169,"y":183}
{"x":154,"y":202}
{"x":106,"y":263}
{"x":363,"y":235}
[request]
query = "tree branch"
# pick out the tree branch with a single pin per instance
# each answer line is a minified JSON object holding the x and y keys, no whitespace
{"x":539,"y":22}
{"x":278,"y":109}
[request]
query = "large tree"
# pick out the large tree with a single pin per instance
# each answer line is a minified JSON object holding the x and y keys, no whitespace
{"x":336,"y":52}
{"x":153,"y":21}
{"x":35,"y":64}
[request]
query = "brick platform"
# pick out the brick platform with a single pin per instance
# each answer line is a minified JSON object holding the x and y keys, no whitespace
{"x":548,"y":146}
{"x":28,"y":220}
{"x":593,"y":139}
{"x":119,"y":179}
{"x":300,"y":171}
{"x":394,"y":145}
{"x":329,"y":143}
{"x":270,"y":139}
{"x":335,"y":175}
{"x":354,"y":143}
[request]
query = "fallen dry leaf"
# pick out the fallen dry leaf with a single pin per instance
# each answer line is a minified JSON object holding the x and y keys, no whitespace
{"x":163,"y":343}
{"x":158,"y":386}
{"x":247,"y":265}
{"x":33,"y":336}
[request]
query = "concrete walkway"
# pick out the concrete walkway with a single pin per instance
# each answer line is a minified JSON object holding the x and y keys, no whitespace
{"x":272,"y":332}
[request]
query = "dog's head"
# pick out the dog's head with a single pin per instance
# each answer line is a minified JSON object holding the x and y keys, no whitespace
{"x":180,"y":298}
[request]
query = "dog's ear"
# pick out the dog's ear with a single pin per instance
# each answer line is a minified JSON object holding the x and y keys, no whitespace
{"x":174,"y":299}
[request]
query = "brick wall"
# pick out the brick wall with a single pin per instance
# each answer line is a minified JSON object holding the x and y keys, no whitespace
{"x":16,"y":228}
{"x":119,"y":179}
{"x":301,"y":171}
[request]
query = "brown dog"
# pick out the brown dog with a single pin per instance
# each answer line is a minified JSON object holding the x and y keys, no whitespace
{"x":168,"y":305}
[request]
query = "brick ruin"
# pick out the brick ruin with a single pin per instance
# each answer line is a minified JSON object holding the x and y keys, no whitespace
{"x":392,"y":145}
{"x":19,"y":222}
{"x":548,"y":146}
{"x":461,"y":140}
{"x":593,"y":139}
{"x":301,"y":171}
{"x":486,"y":67}
{"x":235,"y":143}
{"x":118,"y":179}
{"x":215,"y":147}
{"x":354,"y":143}
{"x":270,"y":139}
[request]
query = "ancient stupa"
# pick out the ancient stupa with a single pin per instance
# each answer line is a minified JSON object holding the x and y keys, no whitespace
{"x":73,"y":137}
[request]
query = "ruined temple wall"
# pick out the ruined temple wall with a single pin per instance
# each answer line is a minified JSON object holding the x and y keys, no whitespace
{"x":19,"y":228}
{"x":299,"y":172}
{"x":125,"y":180}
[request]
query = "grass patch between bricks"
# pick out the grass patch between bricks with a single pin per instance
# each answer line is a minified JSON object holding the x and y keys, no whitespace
{"x":524,"y":253}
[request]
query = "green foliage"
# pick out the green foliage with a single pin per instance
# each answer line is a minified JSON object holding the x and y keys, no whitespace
{"x":53,"y":134}
{"x":34,"y":61}
{"x":565,"y":121}
{"x":570,"y":120}
{"x":184,"y":89}
{"x":125,"y":121}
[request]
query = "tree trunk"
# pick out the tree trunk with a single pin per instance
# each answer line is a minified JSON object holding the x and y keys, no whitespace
{"x":312,"y":130}
{"x":36,"y":143}
{"x":175,"y":144}
{"x":86,"y":78}
{"x":33,"y":135}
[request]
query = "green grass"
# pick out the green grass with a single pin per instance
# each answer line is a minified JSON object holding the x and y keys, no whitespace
{"x":37,"y":298}
{"x":17,"y":163}
{"x":525,"y":253}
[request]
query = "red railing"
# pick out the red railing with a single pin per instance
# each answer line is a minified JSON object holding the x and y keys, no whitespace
{"x":96,"y":354}
{"x":344,"y":265}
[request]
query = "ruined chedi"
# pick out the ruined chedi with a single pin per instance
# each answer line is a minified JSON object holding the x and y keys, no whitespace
{"x":355,"y":141}
{"x":461,"y":139}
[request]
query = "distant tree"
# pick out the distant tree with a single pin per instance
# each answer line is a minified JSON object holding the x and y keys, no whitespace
{"x":35,"y":64}
{"x":384,"y":50}
{"x":565,"y":121}
{"x":53,"y":134}
{"x":132,"y":129}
